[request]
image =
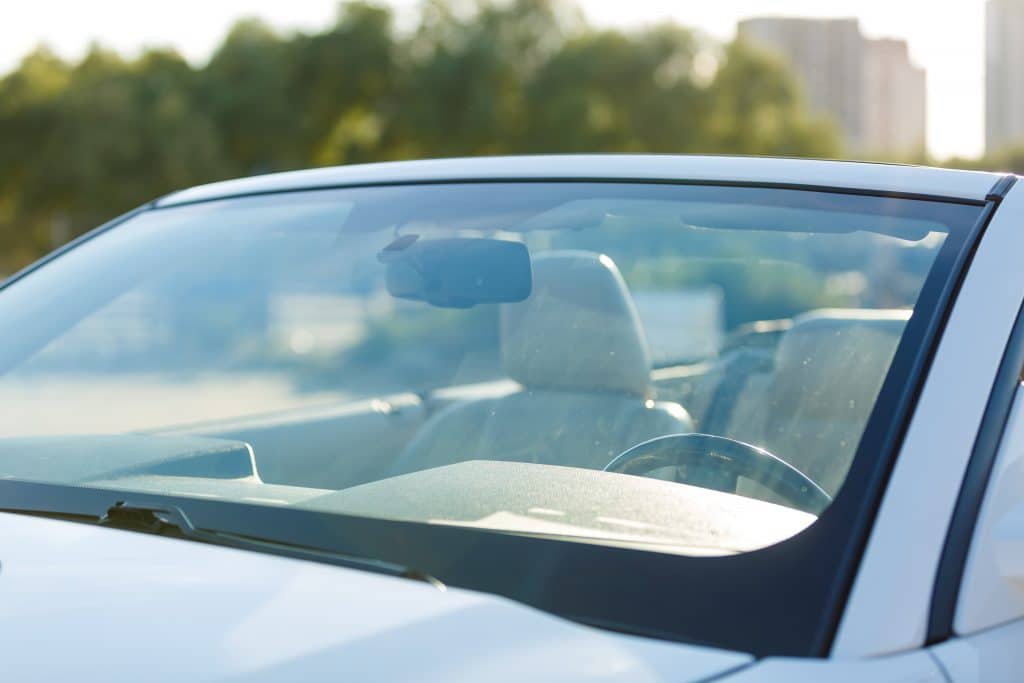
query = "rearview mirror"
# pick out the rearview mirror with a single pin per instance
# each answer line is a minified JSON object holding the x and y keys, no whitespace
{"x":457,"y":272}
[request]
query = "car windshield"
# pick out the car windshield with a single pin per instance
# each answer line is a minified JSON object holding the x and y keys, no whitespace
{"x":668,"y":370}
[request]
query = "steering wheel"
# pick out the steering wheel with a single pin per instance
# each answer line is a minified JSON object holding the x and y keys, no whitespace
{"x":716,"y":462}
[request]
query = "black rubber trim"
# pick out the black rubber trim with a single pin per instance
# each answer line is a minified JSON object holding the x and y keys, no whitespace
{"x":999,"y":190}
{"x":169,"y":201}
{"x":972,"y":492}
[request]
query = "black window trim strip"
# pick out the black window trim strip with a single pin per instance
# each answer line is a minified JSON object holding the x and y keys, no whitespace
{"x":168,"y":202}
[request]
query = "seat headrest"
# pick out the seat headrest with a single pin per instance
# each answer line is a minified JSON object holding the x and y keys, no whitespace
{"x":826,"y":330}
{"x":579,"y":329}
{"x":832,"y":358}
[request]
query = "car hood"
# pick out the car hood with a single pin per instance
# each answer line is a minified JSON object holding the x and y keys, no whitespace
{"x":88,"y":603}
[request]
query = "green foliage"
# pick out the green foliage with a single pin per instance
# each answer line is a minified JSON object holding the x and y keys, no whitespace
{"x":1005,"y":161}
{"x":619,"y":93}
{"x":756,"y":108}
{"x":246,"y":89}
{"x":80,"y":143}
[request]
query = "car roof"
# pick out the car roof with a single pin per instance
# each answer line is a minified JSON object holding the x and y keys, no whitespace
{"x":842,"y":175}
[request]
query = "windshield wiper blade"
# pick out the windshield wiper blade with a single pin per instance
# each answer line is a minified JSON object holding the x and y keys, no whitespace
{"x":171,"y":520}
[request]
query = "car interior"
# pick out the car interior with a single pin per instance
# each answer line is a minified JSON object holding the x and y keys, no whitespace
{"x":800,"y":389}
{"x":530,"y":452}
{"x":572,"y":406}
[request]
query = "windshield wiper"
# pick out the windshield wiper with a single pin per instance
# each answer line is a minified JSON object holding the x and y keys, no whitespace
{"x":170,"y":520}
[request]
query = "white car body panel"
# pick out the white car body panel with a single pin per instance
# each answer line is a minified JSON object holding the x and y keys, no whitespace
{"x":887,"y":610}
{"x":114,"y":605}
{"x":988,"y":597}
{"x":848,"y":175}
{"x":117,"y":605}
{"x":914,"y":667}
{"x":992,"y":656}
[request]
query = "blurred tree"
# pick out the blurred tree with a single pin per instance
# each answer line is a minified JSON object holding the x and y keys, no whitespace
{"x":90,"y":141}
{"x":1004,"y":161}
{"x":341,"y":85}
{"x":611,"y":91}
{"x":756,"y":108}
{"x":465,"y":72}
{"x":82,"y":142}
{"x":246,"y":89}
{"x":25,"y":119}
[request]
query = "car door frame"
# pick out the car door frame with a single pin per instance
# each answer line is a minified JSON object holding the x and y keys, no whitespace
{"x":896,"y":592}
{"x":978,"y":484}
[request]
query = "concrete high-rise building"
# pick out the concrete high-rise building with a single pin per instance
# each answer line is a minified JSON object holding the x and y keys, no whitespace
{"x":827,"y":55}
{"x":870,"y":88}
{"x":1004,"y":74}
{"x":894,"y":100}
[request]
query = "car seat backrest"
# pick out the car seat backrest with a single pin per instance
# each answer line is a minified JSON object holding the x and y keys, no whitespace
{"x":579,"y":330}
{"x":829,"y":369}
{"x":577,"y":348}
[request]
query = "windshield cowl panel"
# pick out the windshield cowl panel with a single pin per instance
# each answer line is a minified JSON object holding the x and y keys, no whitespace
{"x":664,"y":409}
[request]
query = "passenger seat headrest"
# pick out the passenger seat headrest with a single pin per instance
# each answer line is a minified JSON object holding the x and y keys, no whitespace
{"x":579,"y":329}
{"x":833,"y":360}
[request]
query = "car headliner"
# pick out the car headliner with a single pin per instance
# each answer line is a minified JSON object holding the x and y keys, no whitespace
{"x":870,"y":177}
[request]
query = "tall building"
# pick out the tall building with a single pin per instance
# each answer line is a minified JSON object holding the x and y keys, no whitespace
{"x":827,"y":56}
{"x":894,"y":100}
{"x":1004,"y":74}
{"x":870,"y":88}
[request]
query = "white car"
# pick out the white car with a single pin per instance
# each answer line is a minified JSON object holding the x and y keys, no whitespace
{"x":577,"y":418}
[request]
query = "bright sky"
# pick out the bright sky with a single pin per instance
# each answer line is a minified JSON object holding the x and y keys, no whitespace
{"x":945,"y":36}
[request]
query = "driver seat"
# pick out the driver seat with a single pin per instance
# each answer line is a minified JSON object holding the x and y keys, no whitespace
{"x":578,"y":351}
